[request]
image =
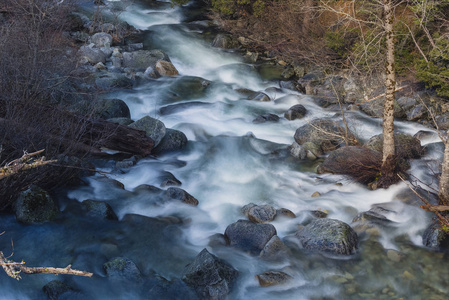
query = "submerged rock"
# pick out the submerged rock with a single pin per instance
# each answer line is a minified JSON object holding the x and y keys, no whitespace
{"x":181,"y":195}
{"x":274,"y":250}
{"x":266,"y":118}
{"x":248,"y":236}
{"x":57,"y":289}
{"x":328,"y":235}
{"x":271,"y":278}
{"x":436,"y":237}
{"x":99,"y":209}
{"x":35,"y":206}
{"x":122,"y":268}
{"x":172,"y":290}
{"x":211,"y":277}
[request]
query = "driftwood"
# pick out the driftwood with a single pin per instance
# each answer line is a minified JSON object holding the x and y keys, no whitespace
{"x":13,"y":269}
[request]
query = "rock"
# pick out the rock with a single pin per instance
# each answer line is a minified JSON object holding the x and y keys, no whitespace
{"x":362,"y":164}
{"x":315,"y":132}
{"x":99,"y":209}
{"x":261,"y":213}
{"x":316,"y":194}
{"x":171,"y":290}
{"x":308,"y":82}
{"x":419,"y":112}
{"x":101,"y":39}
{"x":259,"y":97}
{"x":271,"y":278}
{"x":189,"y":87}
{"x":154,"y":128}
{"x":290,"y":85}
{"x":442,"y":122}
{"x":409,"y":197}
{"x":166,"y":68}
{"x":328,"y":235}
{"x":133,"y":47}
{"x":406,"y":103}
{"x":93,"y":55}
{"x":110,"y":108}
{"x":168,"y":179}
{"x":225,"y":41}
{"x":248,"y":236}
{"x":435,"y":237}
{"x":211,"y":277}
{"x":142,"y":59}
{"x":173,"y":140}
{"x":375,"y":108}
{"x":351,"y":90}
{"x":297,"y":111}
{"x":35,"y":206}
{"x":57,"y":289}
{"x":109,"y":81}
{"x":100,"y":66}
{"x":274,"y":250}
{"x":181,"y":195}
{"x":266,"y":118}
{"x":122,"y":268}
{"x":370,"y":221}
{"x":245,"y":209}
{"x":394,"y":256}
{"x":288,"y":73}
{"x":217,"y":240}
{"x":330,"y":91}
{"x":406,"y":146}
{"x":284,"y":212}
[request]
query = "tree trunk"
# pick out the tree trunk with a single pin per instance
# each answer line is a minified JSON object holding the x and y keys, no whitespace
{"x":443,"y":193}
{"x":388,"y":159}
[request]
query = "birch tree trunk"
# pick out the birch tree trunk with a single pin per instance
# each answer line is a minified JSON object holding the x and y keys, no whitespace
{"x":443,"y":193}
{"x":388,"y":159}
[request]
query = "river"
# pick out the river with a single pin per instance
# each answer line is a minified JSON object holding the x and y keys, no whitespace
{"x":229,"y":162}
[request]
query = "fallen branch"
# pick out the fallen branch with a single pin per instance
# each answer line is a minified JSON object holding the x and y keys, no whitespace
{"x":24,"y":163}
{"x":434,"y":208}
{"x":13,"y":269}
{"x":381,"y":95}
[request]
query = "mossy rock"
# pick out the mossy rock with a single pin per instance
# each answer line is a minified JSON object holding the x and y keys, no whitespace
{"x":35,"y":206}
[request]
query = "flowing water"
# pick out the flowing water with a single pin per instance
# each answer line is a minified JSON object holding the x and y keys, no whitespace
{"x":229,"y":162}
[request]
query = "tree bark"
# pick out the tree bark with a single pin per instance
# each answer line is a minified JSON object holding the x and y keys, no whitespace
{"x":388,"y":159}
{"x":443,"y":192}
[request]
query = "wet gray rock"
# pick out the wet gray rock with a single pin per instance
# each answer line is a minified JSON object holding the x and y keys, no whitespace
{"x":274,"y":250}
{"x":315,"y":132}
{"x":290,"y":85}
{"x":189,"y":87}
{"x":297,"y":111}
{"x":328,"y":235}
{"x":245,"y":209}
{"x":109,"y":81}
{"x":174,"y":193}
{"x":375,"y":108}
{"x":362,"y":164}
{"x":122,"y":268}
{"x":435,"y":237}
{"x":173,"y":140}
{"x":99,"y":209}
{"x":142,"y":59}
{"x":111,"y":108}
{"x":121,"y":121}
{"x":370,"y":221}
{"x":35,"y":206}
{"x":101,"y":39}
{"x":171,"y":290}
{"x":271,"y":278}
{"x":407,"y":103}
{"x":266,"y":118}
{"x":406,"y":146}
{"x":154,"y":128}
{"x":285,"y":212}
{"x":261,"y":213}
{"x":419,"y":112}
{"x":168,"y":179}
{"x":57,"y":289}
{"x":262,"y":97}
{"x":409,"y":197}
{"x":225,"y":41}
{"x":211,"y":277}
{"x":442,"y":122}
{"x":248,"y":236}
{"x":93,"y":55}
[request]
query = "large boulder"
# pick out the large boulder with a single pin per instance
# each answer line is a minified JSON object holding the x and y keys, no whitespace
{"x":154,"y":128}
{"x":328,"y":235}
{"x":35,"y":206}
{"x":248,"y":236}
{"x":101,"y":39}
{"x":111,"y":108}
{"x":92,"y":55}
{"x":325,"y":133}
{"x":142,"y":59}
{"x":406,"y":146}
{"x":211,"y":277}
{"x":362,"y":164}
{"x":173,"y":140}
{"x":225,"y":41}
